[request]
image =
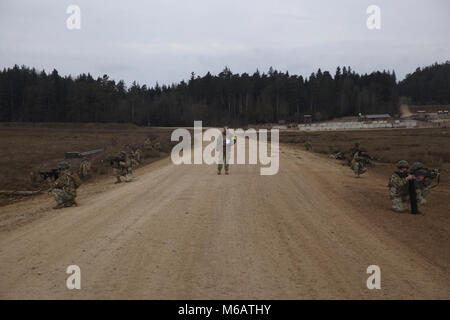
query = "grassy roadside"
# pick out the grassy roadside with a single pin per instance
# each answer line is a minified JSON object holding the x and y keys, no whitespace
{"x":32,"y":147}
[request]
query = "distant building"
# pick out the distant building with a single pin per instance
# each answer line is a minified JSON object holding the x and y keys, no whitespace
{"x":442,"y":114}
{"x":307,"y":118}
{"x":421,"y":115}
{"x":377,"y":117}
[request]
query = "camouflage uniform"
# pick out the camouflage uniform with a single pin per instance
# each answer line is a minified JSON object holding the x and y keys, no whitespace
{"x":138,"y":155}
{"x":134,"y":162}
{"x":399,"y":188}
{"x":423,"y":188}
{"x":148,"y":144}
{"x":352,"y":152}
{"x":123,"y":168}
{"x":85,"y":167}
{"x":157,"y":146}
{"x":308,"y":144}
{"x":423,"y":192}
{"x":358,"y":164}
{"x":64,"y":189}
{"x":225,"y":152}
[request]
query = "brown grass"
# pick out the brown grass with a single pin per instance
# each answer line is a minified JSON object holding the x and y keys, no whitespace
{"x":430,"y":146}
{"x":32,"y":147}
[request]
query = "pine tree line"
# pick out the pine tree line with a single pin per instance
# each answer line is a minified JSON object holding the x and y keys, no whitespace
{"x":429,"y":85}
{"x":226,"y":98}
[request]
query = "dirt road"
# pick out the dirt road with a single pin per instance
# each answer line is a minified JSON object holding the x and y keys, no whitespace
{"x":183,"y":232}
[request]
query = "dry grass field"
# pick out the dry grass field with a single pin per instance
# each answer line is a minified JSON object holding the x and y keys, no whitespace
{"x":32,"y":147}
{"x":29,"y":148}
{"x":430,"y":146}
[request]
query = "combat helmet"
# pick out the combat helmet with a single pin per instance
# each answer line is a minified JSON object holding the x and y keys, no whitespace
{"x":64,"y":165}
{"x":417,"y":165}
{"x":402,"y":164}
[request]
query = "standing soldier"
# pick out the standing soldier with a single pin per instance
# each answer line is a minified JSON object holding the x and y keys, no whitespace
{"x":64,"y":188}
{"x":122,"y":167}
{"x":85,"y":168}
{"x":359,"y":161}
{"x":224,"y":152}
{"x":399,"y":186}
{"x":308,"y":144}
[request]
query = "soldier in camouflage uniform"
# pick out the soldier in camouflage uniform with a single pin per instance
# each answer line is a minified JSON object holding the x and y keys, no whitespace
{"x":308,"y":144}
{"x":352,"y":151}
{"x":64,"y":188}
{"x":359,"y":162}
{"x":123,"y":167}
{"x":157,"y":146}
{"x":225,"y":151}
{"x":423,"y":188}
{"x":148,"y":144}
{"x":134,"y":162}
{"x":85,"y":168}
{"x":399,"y":186}
{"x":138,"y":155}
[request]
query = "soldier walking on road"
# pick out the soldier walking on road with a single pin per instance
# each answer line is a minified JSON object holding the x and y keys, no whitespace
{"x":224,"y":151}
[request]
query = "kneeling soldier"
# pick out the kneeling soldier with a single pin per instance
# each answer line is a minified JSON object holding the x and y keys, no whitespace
{"x":308,"y":144}
{"x":64,"y":188}
{"x":85,"y":168}
{"x":423,"y":183}
{"x":399,"y":186}
{"x":122,"y":167}
{"x":360,"y":159}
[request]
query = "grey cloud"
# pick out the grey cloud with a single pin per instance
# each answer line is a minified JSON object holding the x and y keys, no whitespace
{"x":166,"y":40}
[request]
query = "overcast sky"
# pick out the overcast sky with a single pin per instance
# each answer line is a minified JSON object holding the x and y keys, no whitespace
{"x":166,"y":40}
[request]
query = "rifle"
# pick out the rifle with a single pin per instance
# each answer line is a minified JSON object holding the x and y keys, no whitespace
{"x":413,"y":196}
{"x":427,"y":174}
{"x":53,"y":173}
{"x":367,"y":160}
